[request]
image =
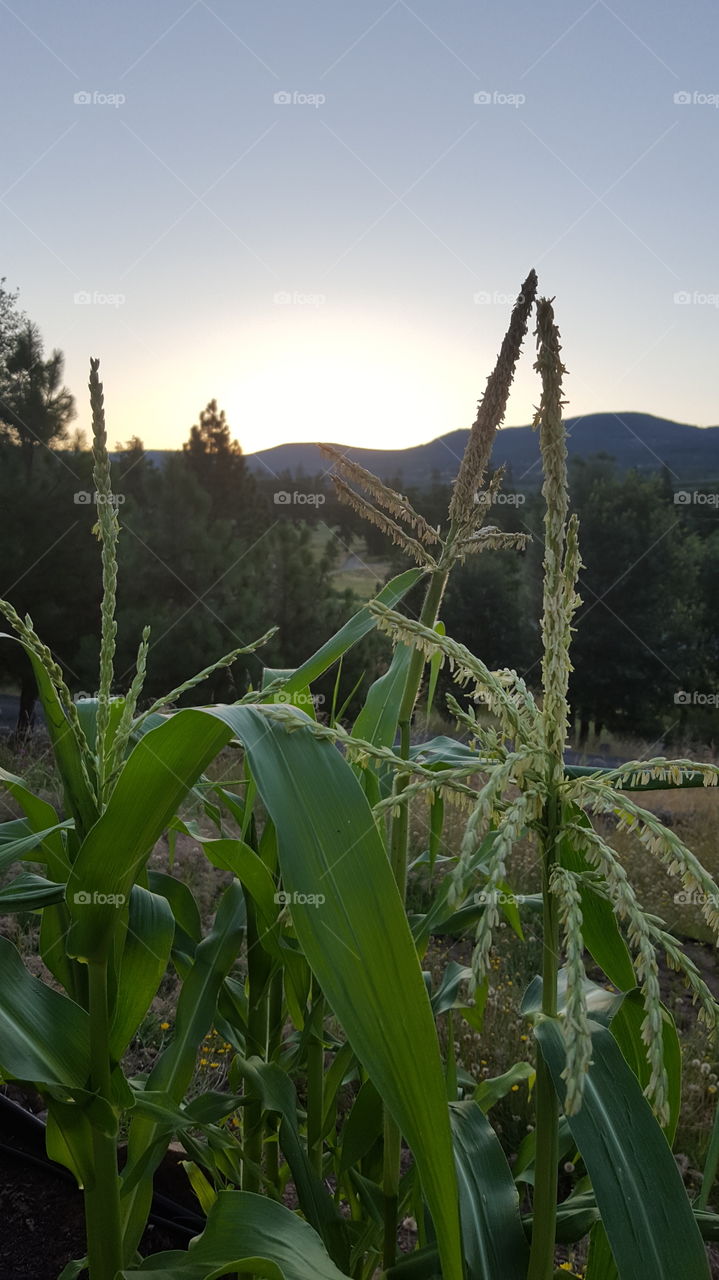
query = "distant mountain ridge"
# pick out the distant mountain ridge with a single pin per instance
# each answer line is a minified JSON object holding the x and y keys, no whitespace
{"x":635,"y":440}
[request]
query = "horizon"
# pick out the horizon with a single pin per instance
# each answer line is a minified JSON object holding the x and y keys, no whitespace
{"x":574,"y":419}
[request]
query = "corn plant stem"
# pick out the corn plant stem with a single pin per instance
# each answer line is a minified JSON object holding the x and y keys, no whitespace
{"x":102,"y":1201}
{"x":274,"y":1042}
{"x":541,"y":1262}
{"x":257,"y":967}
{"x":316,"y":1080}
{"x":399,"y":849}
{"x":710,"y":1164}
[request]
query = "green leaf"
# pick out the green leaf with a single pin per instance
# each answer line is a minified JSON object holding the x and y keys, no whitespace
{"x":40,"y":816}
{"x":626,"y":1027}
{"x":173,"y":1070}
{"x":362,"y":1127}
{"x":149,"y":936}
{"x":78,"y":797}
{"x":490,"y":1091}
{"x":575,"y":1216}
{"x":277,"y":1093}
{"x":28,"y":892}
{"x":188,"y":925}
{"x":445,"y":997}
{"x":358,"y":626}
{"x":155,"y":778}
{"x":33,"y":843}
{"x":444,"y":753}
{"x":377,"y":721}
{"x":202,"y":1188}
{"x":69,"y":1141}
{"x":600,"y":1260}
{"x":44,"y":1036}
{"x":640,"y":1194}
{"x":495,"y":1244}
{"x":358,"y":941}
{"x":245,"y":1232}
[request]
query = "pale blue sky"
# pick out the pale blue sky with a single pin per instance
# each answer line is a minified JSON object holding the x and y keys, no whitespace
{"x":383,"y":213}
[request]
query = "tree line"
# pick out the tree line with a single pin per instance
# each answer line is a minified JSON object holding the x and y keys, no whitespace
{"x":210,"y":558}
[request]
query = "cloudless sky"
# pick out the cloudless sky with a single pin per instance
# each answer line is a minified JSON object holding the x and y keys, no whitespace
{"x":344,"y":268}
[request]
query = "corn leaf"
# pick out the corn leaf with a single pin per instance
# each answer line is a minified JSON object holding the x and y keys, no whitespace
{"x":356,"y":629}
{"x":149,"y":936}
{"x":494,"y":1241}
{"x":642,"y":1201}
{"x":245,"y":1233}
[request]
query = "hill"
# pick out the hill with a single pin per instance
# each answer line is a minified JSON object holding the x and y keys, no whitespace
{"x":635,"y":440}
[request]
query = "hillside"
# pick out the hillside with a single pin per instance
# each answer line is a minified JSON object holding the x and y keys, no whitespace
{"x":635,"y":440}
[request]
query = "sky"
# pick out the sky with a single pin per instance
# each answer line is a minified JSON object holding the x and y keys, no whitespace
{"x":319,"y":214}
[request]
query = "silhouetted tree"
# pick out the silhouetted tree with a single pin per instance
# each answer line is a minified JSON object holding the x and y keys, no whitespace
{"x":35,"y":408}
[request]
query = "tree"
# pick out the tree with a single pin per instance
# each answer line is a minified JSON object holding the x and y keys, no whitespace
{"x":11,"y":322}
{"x":218,"y":464}
{"x":636,"y":643}
{"x":35,"y":407}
